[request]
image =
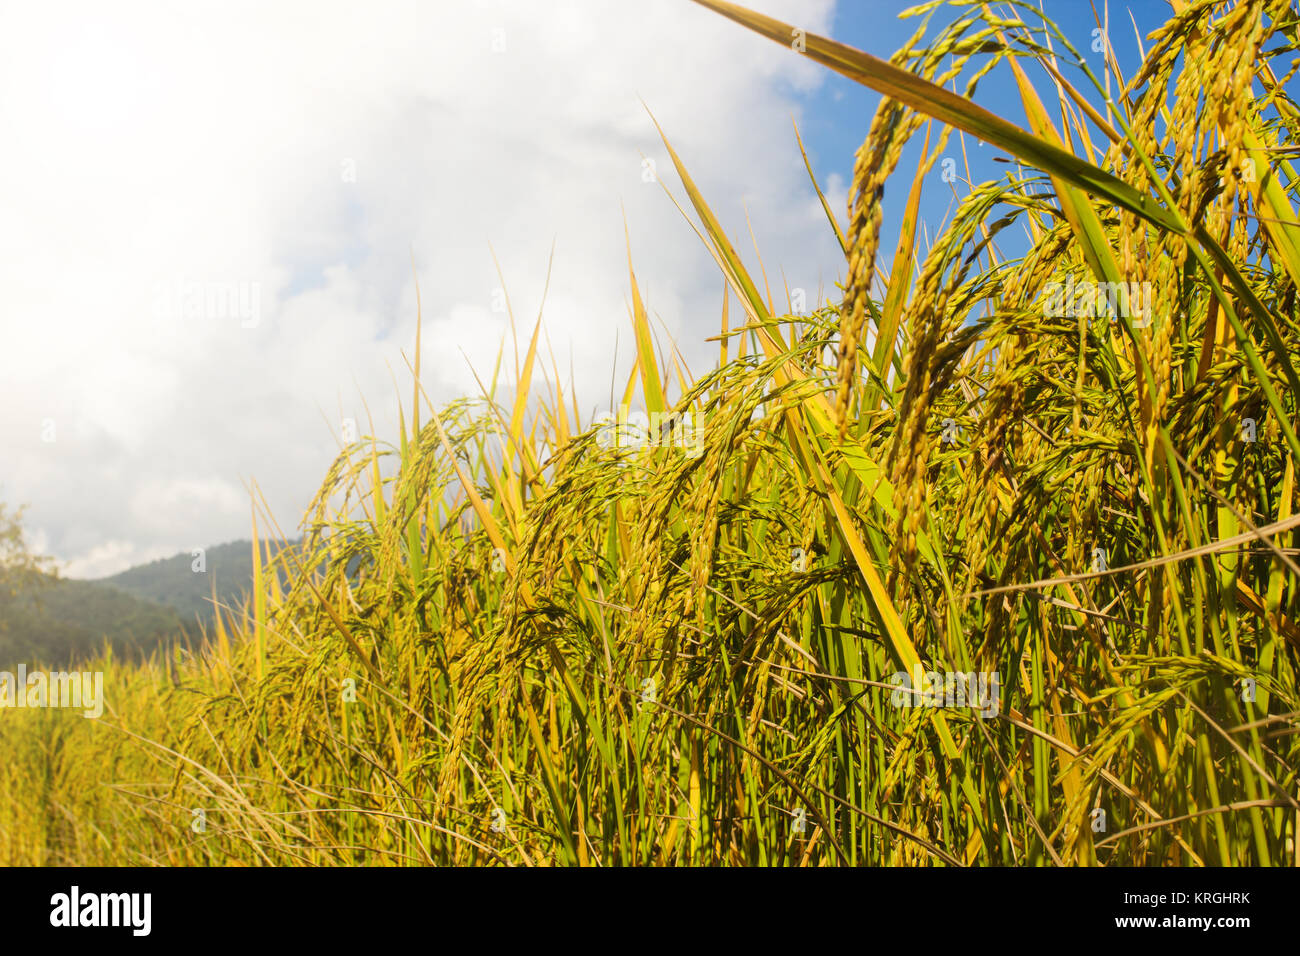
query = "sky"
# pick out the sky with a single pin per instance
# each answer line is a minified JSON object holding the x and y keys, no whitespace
{"x":215,"y":217}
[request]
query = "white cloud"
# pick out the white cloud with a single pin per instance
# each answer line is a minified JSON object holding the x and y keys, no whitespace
{"x":148,"y":146}
{"x":109,"y":557}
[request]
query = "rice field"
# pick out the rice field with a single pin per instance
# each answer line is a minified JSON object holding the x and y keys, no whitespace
{"x":512,"y":636}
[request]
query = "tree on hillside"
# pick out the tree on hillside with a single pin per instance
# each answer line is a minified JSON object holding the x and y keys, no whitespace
{"x":18,"y":566}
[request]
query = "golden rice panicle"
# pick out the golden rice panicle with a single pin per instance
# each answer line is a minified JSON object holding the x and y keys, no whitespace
{"x":909,"y":457}
{"x":876,"y":160}
{"x":1243,"y":37}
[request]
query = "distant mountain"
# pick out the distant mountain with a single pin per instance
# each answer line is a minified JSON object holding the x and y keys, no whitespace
{"x":55,"y":622}
{"x":174,"y":583}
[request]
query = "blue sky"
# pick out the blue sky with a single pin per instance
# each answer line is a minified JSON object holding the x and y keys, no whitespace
{"x":839,"y":112}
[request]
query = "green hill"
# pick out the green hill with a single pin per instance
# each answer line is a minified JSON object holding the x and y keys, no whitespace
{"x":55,"y":621}
{"x":174,"y":583}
